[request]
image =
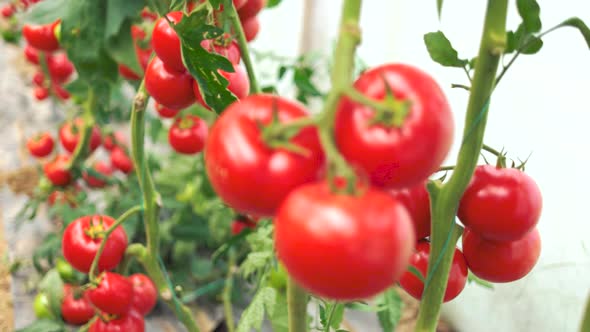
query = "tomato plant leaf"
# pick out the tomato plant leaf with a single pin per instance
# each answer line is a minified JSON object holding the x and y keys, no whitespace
{"x":279,"y":318}
{"x":53,"y":286}
{"x":441,"y":50}
{"x":44,"y":325}
{"x":252,"y":317}
{"x":122,"y":49}
{"x":532,"y":45}
{"x":273,"y":3}
{"x":439,"y":5}
{"x":390,"y":307}
{"x":529,"y":11}
{"x":577,"y":23}
{"x":47,"y":11}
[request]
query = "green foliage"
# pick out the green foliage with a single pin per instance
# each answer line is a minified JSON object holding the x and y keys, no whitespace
{"x":331,"y":315}
{"x":52,"y":285}
{"x":273,"y":3}
{"x":441,"y":50}
{"x":261,"y":256}
{"x":577,"y":23}
{"x":265,"y":300}
{"x":529,"y":11}
{"x":389,"y":309}
{"x":44,"y":325}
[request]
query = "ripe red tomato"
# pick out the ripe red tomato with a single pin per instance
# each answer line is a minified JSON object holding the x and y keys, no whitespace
{"x":56,"y":171}
{"x":127,"y":73}
{"x":238,"y":84}
{"x":40,"y":145}
{"x":42,"y":37}
{"x":251,"y":8}
{"x":166,"y":112}
{"x":99,"y":167}
{"x":168,"y":87}
{"x":226,"y":46}
{"x":112,"y":140}
{"x":396,"y":157}
{"x":64,"y":197}
{"x":39,"y":79}
{"x":497,"y":261}
{"x":234,"y":170}
{"x":251,"y":27}
{"x":148,"y":15}
{"x":82,"y":238}
{"x":40,"y":93}
{"x":113,"y":294}
{"x":31,"y":54}
{"x":457,"y":277}
{"x":76,"y":308}
{"x":131,"y":322}
{"x":188,"y":134}
{"x":59,"y":91}
{"x":322,"y":236}
{"x":145,"y":294}
{"x":8,"y":10}
{"x":70,"y":133}
{"x":60,"y":68}
{"x":500,"y":204}
{"x":121,"y":161}
{"x":166,"y":43}
{"x":417,"y":202}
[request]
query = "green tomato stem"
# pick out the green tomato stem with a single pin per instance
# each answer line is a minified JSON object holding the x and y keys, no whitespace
{"x":107,"y":233}
{"x":296,"y":306}
{"x":586,"y":319}
{"x":445,"y":198}
{"x":241,"y":37}
{"x":83,"y":147}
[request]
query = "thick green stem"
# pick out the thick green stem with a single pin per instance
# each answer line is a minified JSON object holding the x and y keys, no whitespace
{"x":297,"y":307}
{"x":445,"y":199}
{"x":151,"y":259}
{"x":241,"y":37}
{"x":586,"y":319}
{"x":107,"y":233}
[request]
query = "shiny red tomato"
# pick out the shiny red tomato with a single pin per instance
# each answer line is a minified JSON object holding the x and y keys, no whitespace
{"x":166,"y":43}
{"x":251,"y":27}
{"x":56,"y":171}
{"x":76,"y":308}
{"x":225,"y":46}
{"x":8,"y":10}
{"x":417,"y":202}
{"x":343,"y":247}
{"x":238,"y":160}
{"x":496,"y":261}
{"x":145,"y":294}
{"x":113,"y":295}
{"x":396,"y":157}
{"x":102,"y":168}
{"x":40,"y":145}
{"x":42,"y":37}
{"x":70,"y":133}
{"x":40,"y":93}
{"x":131,"y":322}
{"x":188,"y":134}
{"x":59,"y":91}
{"x":147,"y":14}
{"x":121,"y":161}
{"x":238,"y":84}
{"x":457,"y":276}
{"x":502,"y":204}
{"x":166,"y":112}
{"x":60,"y":68}
{"x":39,"y":79}
{"x":251,"y":8}
{"x":82,"y":238}
{"x":31,"y":54}
{"x":168,"y":87}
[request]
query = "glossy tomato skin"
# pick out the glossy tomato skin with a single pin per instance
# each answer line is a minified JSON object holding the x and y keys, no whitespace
{"x":237,"y":160}
{"x":188,"y":134}
{"x":121,"y":161}
{"x":41,"y":145}
{"x":70,"y":133}
{"x":166,"y":112}
{"x":251,"y":27}
{"x":501,"y":204}
{"x":31,"y":54}
{"x":393,"y":157}
{"x":145,"y":294}
{"x":228,"y":49}
{"x":127,"y":73}
{"x":321,"y":237}
{"x":113,"y":295}
{"x":60,"y":68}
{"x":499,"y":262}
{"x":40,"y":93}
{"x":251,"y":8}
{"x":131,"y":322}
{"x":417,"y":202}
{"x":166,"y":43}
{"x":7,"y":10}
{"x":56,"y":171}
{"x":238,"y":84}
{"x":42,"y":37}
{"x":457,"y":276}
{"x":100,"y":167}
{"x":39,"y":79}
{"x":82,"y":238}
{"x":76,"y":311}
{"x":168,"y":87}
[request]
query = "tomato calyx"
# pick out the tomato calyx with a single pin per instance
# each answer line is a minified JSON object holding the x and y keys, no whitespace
{"x":278,"y":135}
{"x":390,"y":112}
{"x":186,"y":122}
{"x":96,"y":230}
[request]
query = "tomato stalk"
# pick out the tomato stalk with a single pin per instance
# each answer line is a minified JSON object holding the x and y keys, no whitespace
{"x":151,"y":257}
{"x":243,"y":43}
{"x":445,"y":198}
{"x":83,"y":146}
{"x":296,"y":306}
{"x":227,"y":290}
{"x":586,"y":319}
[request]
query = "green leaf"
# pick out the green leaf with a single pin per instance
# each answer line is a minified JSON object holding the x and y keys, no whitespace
{"x":252,"y":317}
{"x":44,"y":325}
{"x":532,"y":45}
{"x":441,"y":50}
{"x":279,"y":319}
{"x":119,"y":12}
{"x":390,"y":308}
{"x":119,"y":42}
{"x":337,"y":310}
{"x":53,"y":286}
{"x":47,"y":11}
{"x":360,"y":306}
{"x":273,"y":3}
{"x":577,"y":23}
{"x":529,"y":10}
{"x":189,"y":230}
{"x":472,"y":278}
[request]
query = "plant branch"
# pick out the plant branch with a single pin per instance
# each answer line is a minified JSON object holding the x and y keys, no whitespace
{"x":297,"y":307}
{"x":241,"y":37}
{"x":83,"y":146}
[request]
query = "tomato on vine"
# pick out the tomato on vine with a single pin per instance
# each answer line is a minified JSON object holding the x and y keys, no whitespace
{"x":251,"y":8}
{"x":31,"y":54}
{"x":402,"y":145}
{"x":60,"y":68}
{"x":70,"y":134}
{"x":188,"y":134}
{"x":273,"y":165}
{"x":145,"y":294}
{"x":40,"y":93}
{"x":225,"y":46}
{"x":76,"y":308}
{"x":113,"y":294}
{"x":130,"y":322}
{"x":103,"y":169}
{"x":57,"y":170}
{"x":417,"y":202}
{"x":121,"y":161}
{"x":340,"y":246}
{"x":166,"y":112}
{"x":238,"y":84}
{"x":166,"y":43}
{"x":7,"y":10}
{"x":42,"y":37}
{"x":251,"y":27}
{"x":168,"y":87}
{"x":40,"y":145}
{"x":502,"y":204}
{"x":82,"y":238}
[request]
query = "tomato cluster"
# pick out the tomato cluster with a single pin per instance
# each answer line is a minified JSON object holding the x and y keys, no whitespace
{"x":8,"y":10}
